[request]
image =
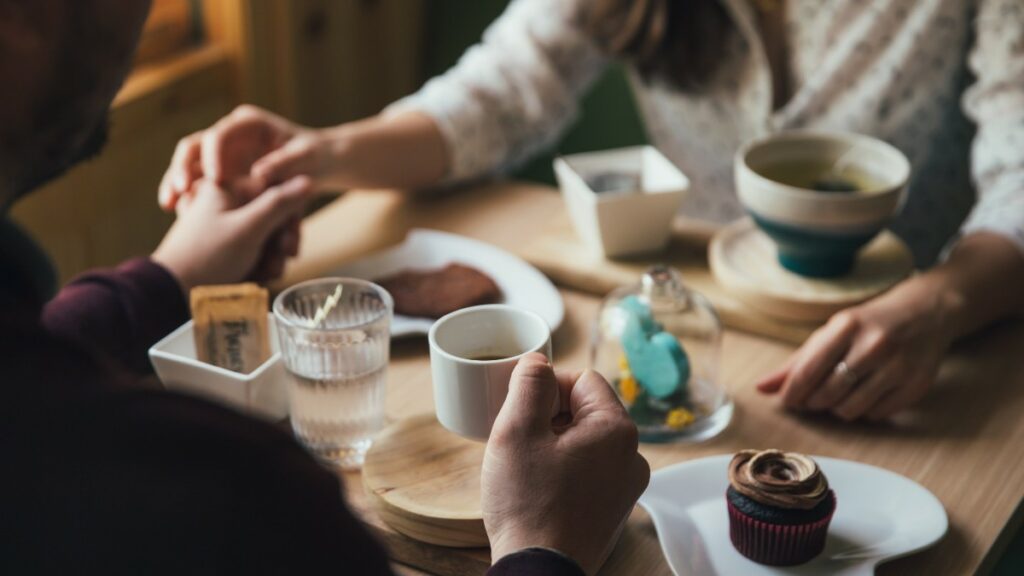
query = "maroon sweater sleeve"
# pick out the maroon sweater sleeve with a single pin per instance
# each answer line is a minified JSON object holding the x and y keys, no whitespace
{"x":118,"y":313}
{"x":536,"y":562}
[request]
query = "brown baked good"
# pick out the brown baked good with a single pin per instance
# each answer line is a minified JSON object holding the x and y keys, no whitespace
{"x":780,"y":507}
{"x":434,"y":293}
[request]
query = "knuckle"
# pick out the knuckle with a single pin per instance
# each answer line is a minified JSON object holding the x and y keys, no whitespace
{"x":533,"y":369}
{"x":610,"y":431}
{"x":845,"y":320}
{"x":304,"y":143}
{"x":595,"y":377}
{"x":643,"y":473}
{"x":879,"y":340}
{"x":628,"y":434}
{"x":243,"y":110}
{"x":184,"y":144}
{"x":620,"y":434}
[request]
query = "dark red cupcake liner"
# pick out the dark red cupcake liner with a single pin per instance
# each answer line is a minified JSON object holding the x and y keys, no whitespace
{"x":778,"y":544}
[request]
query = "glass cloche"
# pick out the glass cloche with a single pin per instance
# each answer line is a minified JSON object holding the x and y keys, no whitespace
{"x":658,"y":344}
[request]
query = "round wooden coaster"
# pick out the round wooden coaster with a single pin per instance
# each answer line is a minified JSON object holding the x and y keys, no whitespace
{"x":743,"y":260}
{"x":424,"y":481}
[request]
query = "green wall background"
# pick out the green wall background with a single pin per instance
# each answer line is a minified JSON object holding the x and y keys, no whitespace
{"x":608,"y":120}
{"x":608,"y":116}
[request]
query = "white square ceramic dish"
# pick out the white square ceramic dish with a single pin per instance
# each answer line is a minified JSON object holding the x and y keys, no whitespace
{"x":628,"y":220}
{"x":262,"y":392}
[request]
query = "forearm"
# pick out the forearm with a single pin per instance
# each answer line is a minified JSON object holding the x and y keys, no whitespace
{"x":118,"y":313}
{"x":982,"y":281}
{"x":405,"y":150}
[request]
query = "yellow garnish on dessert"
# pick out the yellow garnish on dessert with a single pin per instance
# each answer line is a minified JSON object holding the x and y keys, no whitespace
{"x":628,"y":389}
{"x":623,"y":363}
{"x":679,"y":418}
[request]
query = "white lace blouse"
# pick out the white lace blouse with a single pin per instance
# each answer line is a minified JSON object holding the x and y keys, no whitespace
{"x":943,"y":80}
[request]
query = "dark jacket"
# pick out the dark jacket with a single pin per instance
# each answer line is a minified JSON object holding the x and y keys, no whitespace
{"x":100,"y":475}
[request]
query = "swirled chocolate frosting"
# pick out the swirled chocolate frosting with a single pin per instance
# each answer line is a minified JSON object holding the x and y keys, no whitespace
{"x":776,"y":478}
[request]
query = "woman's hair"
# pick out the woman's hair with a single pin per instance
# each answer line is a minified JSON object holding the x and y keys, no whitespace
{"x":675,"y":40}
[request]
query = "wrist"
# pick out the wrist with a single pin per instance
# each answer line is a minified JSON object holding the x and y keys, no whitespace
{"x":336,"y":145}
{"x":177,"y":267}
{"x":511,"y":544}
{"x":947,"y":301}
{"x":535,"y":560}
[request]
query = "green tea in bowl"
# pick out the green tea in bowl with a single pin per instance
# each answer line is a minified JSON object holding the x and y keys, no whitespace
{"x":820,"y":196}
{"x":823,"y":176}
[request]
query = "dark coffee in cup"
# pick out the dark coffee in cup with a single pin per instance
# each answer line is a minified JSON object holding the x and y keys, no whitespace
{"x":490,"y":355}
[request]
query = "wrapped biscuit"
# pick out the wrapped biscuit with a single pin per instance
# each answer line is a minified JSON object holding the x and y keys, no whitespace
{"x":230,"y":326}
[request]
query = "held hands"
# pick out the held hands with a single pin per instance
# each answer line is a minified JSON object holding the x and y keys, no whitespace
{"x":872,"y":360}
{"x":567,"y":485}
{"x":252,"y":149}
{"x":239,"y":189}
{"x":216,"y":240}
{"x":246,"y":152}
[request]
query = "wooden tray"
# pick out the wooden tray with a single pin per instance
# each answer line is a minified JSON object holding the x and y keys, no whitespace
{"x":743,"y":261}
{"x":559,"y":253}
{"x":424,"y":482}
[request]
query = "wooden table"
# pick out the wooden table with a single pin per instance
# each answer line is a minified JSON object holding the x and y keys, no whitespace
{"x":965,"y":442}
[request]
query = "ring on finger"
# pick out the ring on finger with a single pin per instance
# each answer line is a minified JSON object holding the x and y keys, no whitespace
{"x":847,"y":374}
{"x":836,"y":387}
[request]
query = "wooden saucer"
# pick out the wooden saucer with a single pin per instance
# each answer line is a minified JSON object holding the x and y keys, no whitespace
{"x":744,"y":261}
{"x":424,"y":481}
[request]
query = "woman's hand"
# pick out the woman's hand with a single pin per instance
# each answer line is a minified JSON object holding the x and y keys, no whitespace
{"x":875,"y":359}
{"x":246,"y":152}
{"x":878,"y":358}
{"x":251,"y":149}
{"x":568,"y":486}
{"x":217,"y":240}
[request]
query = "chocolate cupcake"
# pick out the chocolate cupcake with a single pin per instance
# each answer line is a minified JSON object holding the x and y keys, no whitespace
{"x":780,"y":507}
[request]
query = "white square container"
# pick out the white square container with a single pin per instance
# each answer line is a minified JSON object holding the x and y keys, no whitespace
{"x":625,"y":222}
{"x":262,"y":392}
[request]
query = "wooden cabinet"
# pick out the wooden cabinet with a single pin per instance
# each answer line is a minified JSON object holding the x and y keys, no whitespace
{"x":318,"y":61}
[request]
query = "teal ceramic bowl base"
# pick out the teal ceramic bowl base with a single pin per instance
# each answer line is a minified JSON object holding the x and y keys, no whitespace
{"x":815,"y":266}
{"x":815,"y":254}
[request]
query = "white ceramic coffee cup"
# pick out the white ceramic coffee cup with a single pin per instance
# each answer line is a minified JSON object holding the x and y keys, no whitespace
{"x":468,"y":392}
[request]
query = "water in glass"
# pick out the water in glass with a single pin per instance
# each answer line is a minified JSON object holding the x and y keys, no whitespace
{"x":338,"y":368}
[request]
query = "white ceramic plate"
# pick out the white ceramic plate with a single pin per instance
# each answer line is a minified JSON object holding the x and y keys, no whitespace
{"x":880,"y":515}
{"x":521,"y":285}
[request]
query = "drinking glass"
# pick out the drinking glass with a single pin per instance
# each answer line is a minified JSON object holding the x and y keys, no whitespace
{"x":338,"y":367}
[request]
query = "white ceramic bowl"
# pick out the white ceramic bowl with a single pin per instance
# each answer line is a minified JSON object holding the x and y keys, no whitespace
{"x":819,"y":233}
{"x":262,"y":392}
{"x":626,"y":221}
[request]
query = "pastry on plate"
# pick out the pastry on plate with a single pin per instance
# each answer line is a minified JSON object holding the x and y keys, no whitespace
{"x":780,"y":506}
{"x":434,"y":293}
